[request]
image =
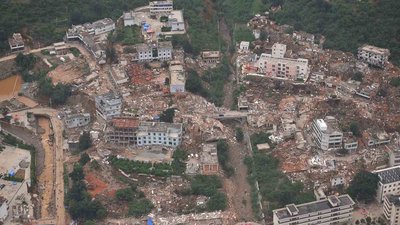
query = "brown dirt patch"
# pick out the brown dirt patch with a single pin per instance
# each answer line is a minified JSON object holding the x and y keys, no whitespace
{"x":96,"y":186}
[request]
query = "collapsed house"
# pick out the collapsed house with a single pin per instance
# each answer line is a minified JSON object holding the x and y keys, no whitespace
{"x":373,"y":55}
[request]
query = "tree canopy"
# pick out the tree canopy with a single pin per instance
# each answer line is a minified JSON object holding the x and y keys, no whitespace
{"x":363,"y":186}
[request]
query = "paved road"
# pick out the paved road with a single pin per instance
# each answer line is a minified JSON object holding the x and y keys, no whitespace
{"x":13,"y":56}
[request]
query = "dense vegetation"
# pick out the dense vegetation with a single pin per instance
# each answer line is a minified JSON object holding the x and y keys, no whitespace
{"x":208,"y":186}
{"x":274,"y":185}
{"x":130,"y":166}
{"x":138,"y":204}
{"x":168,"y":115}
{"x":363,"y":186}
{"x":47,"y":22}
{"x":211,"y":84}
{"x":85,"y":141}
{"x":78,"y":201}
{"x":347,"y":24}
{"x":223,"y":157}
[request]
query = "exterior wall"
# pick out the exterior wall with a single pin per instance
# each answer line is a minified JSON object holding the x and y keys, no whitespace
{"x":3,"y":212}
{"x":209,"y":169}
{"x":283,"y":67}
{"x":161,"y":6}
{"x":157,"y":138}
{"x":104,"y":29}
{"x":385,"y":189}
{"x":164,"y":53}
{"x":350,"y":146}
{"x":109,"y":109}
{"x":122,"y":137}
{"x":326,"y":141}
{"x":129,"y":22}
{"x":391,"y":212}
{"x":177,"y":88}
{"x":394,"y":158}
{"x":77,"y":121}
{"x":177,"y":26}
{"x":372,"y":58}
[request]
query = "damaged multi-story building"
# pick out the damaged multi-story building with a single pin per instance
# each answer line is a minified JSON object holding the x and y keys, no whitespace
{"x":108,"y":105}
{"x":332,"y":210}
{"x":389,"y":182}
{"x":276,"y":65}
{"x":375,"y":138}
{"x":373,"y":55}
{"x":16,"y":42}
{"x":391,"y":208}
{"x":88,"y":34}
{"x":209,"y":159}
{"x":77,"y":120}
{"x":132,"y":132}
{"x":177,"y":77}
{"x":326,"y":133}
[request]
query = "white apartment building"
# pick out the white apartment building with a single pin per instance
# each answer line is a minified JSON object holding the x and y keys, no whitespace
{"x":391,"y":209}
{"x":326,"y":133}
{"x":278,"y":50}
{"x":333,"y":210}
{"x":275,"y":65}
{"x":159,"y":133}
{"x":161,"y":6}
{"x":103,"y":26}
{"x":177,"y":77}
{"x":389,"y":182}
{"x":394,"y":154}
{"x":77,"y":120}
{"x":108,"y":105}
{"x":148,"y":52}
{"x":373,"y":55}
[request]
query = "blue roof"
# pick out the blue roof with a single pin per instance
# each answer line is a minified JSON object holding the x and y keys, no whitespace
{"x":150,"y":221}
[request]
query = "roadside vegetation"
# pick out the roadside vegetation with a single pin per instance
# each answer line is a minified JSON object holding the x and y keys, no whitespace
{"x":137,"y":203}
{"x":273,"y":184}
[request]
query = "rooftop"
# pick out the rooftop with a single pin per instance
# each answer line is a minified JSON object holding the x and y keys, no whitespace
{"x":177,"y":74}
{"x":176,"y":15}
{"x":110,"y":96}
{"x":160,"y":127}
{"x":102,"y":22}
{"x":328,"y":125}
{"x":16,"y":39}
{"x":316,"y":206}
{"x":374,"y":49}
{"x":389,"y":175}
{"x":125,"y":122}
{"x":210,"y":54}
{"x":209,"y":154}
{"x":165,"y":44}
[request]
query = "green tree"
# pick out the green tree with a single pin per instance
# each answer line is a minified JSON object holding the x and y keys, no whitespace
{"x":111,"y":55}
{"x":395,"y":81}
{"x":239,"y":134}
{"x":205,"y":185}
{"x":178,"y":164}
{"x":126,"y":194}
{"x":168,"y":115}
{"x":77,"y":174}
{"x":357,"y":76}
{"x":140,"y":207}
{"x":25,"y":62}
{"x":217,"y":202}
{"x":355,"y":129}
{"x":84,"y":159}
{"x":85,"y":141}
{"x":363,"y":186}
{"x":60,"y":94}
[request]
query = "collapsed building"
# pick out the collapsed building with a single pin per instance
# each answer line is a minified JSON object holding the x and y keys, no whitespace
{"x":88,"y":34}
{"x":77,"y":120}
{"x":128,"y":131}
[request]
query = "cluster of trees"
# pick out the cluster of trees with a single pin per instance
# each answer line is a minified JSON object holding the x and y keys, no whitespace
{"x":363,"y":186}
{"x":138,"y":204}
{"x":85,"y":141}
{"x":208,"y":186}
{"x":78,"y":201}
{"x":130,"y":35}
{"x":223,"y":157}
{"x":214,"y":78}
{"x":168,"y":115}
{"x":178,"y":163}
{"x":47,"y":22}
{"x":130,"y":166}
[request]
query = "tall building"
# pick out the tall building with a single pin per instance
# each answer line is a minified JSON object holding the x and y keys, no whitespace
{"x":158,"y":51}
{"x":373,"y":55}
{"x":108,"y":105}
{"x":122,"y":131}
{"x":333,"y":210}
{"x":389,"y":182}
{"x":326,"y":133}
{"x":161,"y":6}
{"x":391,"y":209}
{"x":278,"y":50}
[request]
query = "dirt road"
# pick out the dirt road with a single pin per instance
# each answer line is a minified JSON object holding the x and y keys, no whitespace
{"x":46,"y":178}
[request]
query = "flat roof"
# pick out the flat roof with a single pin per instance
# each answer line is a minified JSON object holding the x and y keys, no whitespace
{"x":176,"y":14}
{"x":209,"y":154}
{"x":210,"y":54}
{"x":177,"y":74}
{"x":374,"y":49}
{"x":125,"y":122}
{"x":160,"y":127}
{"x":16,"y":39}
{"x":165,"y":44}
{"x":316,"y":206}
{"x":388,"y":175}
